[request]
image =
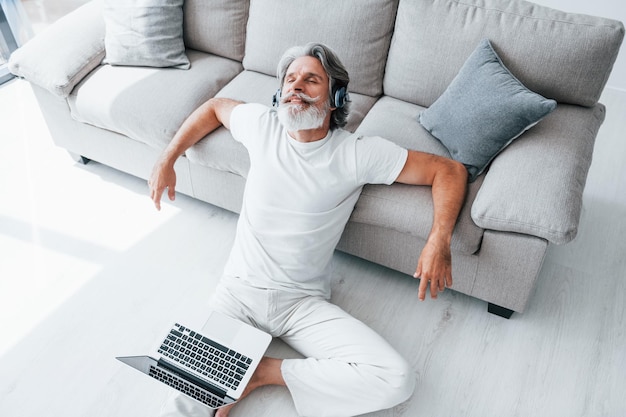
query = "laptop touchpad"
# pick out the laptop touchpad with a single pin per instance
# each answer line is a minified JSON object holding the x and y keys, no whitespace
{"x":223,"y":329}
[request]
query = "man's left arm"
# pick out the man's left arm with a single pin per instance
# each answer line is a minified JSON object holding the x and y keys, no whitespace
{"x":448,"y":179}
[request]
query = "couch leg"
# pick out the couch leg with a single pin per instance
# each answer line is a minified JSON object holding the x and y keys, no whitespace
{"x":79,"y":158}
{"x":499,"y":311}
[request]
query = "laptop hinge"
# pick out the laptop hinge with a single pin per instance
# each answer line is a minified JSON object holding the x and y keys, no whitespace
{"x":190,"y":377}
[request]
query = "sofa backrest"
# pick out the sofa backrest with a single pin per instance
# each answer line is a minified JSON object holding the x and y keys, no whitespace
{"x":358,"y":30}
{"x":216,"y":26}
{"x":564,"y":56}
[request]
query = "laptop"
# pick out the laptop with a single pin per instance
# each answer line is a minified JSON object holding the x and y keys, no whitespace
{"x":213,"y":368}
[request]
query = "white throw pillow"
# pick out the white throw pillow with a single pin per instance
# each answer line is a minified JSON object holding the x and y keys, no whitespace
{"x":145,"y":33}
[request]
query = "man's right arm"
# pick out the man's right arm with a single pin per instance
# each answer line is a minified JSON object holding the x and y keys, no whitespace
{"x":205,"y":119}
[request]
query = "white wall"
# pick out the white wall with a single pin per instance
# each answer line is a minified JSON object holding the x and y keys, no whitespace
{"x":613,"y":9}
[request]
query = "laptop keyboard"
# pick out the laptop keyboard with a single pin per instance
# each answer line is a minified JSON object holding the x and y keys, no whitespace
{"x":204,"y":356}
{"x":180,"y":384}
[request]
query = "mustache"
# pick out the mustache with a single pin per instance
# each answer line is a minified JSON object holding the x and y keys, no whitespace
{"x":305,"y":99}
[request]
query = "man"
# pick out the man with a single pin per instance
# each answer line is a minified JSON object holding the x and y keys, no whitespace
{"x":305,"y":177}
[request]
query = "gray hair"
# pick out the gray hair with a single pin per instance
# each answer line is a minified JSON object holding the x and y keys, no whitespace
{"x":335,"y":70}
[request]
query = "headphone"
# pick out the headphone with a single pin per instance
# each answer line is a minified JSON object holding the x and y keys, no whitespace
{"x":341,"y":97}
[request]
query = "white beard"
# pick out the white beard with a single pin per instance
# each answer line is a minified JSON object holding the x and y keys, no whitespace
{"x":302,"y":116}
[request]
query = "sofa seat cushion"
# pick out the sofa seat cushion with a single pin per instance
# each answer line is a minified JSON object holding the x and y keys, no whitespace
{"x":406,"y":208}
{"x":220,"y":151}
{"x":149,"y":104}
{"x":397,"y":120}
{"x":409,"y":209}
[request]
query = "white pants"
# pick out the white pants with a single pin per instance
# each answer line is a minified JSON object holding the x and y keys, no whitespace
{"x":349,"y":369}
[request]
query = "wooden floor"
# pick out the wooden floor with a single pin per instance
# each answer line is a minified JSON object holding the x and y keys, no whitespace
{"x":89,"y":271}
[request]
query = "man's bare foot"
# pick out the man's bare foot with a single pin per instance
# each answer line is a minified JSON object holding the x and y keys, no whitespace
{"x":267,"y":373}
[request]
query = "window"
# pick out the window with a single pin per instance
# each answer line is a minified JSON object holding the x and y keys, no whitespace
{"x":14,"y":31}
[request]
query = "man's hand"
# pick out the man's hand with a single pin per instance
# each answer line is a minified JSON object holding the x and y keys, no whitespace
{"x":163,"y":176}
{"x":209,"y":116}
{"x":448,"y":180}
{"x":434,"y":267}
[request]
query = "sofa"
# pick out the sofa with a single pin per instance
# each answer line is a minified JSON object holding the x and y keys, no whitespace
{"x":402,"y":56}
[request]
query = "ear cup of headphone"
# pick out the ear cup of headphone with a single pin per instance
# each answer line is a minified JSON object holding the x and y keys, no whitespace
{"x":276,"y":98}
{"x":341,"y":96}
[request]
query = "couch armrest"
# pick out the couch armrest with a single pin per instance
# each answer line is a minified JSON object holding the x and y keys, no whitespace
{"x":61,"y":55}
{"x":535,"y":186}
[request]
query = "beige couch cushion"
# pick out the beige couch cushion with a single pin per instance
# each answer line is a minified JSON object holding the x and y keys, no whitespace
{"x":563,"y":56}
{"x":216,"y":26}
{"x":149,"y":104}
{"x":409,"y":209}
{"x":141,"y":34}
{"x":358,"y":30}
{"x":535,"y":186}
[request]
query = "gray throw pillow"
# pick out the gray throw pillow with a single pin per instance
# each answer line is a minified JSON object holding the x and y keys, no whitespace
{"x":483,"y":110}
{"x":145,"y":33}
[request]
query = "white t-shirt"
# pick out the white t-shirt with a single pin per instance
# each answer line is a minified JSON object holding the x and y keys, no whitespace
{"x":298,"y":199}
